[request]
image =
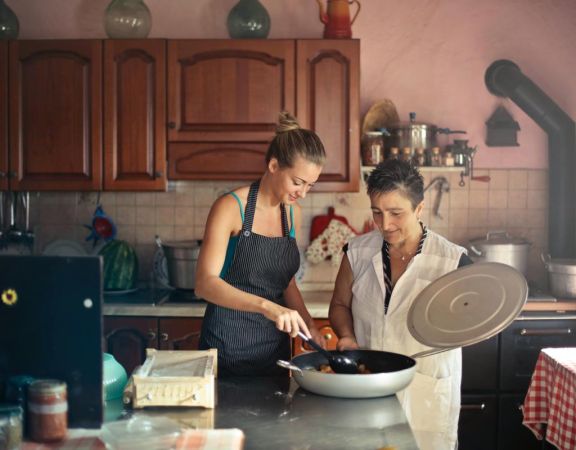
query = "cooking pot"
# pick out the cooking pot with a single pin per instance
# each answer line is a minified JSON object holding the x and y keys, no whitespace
{"x":499,"y":246}
{"x":561,"y":276}
{"x":413,"y":134}
{"x":181,"y":259}
{"x":461,"y":308}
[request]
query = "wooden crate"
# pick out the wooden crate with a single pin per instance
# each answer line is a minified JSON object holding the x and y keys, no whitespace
{"x":175,"y":378}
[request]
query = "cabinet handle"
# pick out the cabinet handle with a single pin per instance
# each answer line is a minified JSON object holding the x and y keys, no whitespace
{"x":171,"y":125}
{"x":328,"y":336}
{"x":545,"y":332}
{"x":158,"y":174}
{"x":164,"y":337}
{"x":477,"y":407}
{"x":151,"y":335}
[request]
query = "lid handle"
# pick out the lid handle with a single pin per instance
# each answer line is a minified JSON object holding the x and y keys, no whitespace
{"x":475,"y":250}
{"x":545,"y":259}
{"x":497,"y":233}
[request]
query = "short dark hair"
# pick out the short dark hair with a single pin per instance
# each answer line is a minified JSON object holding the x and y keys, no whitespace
{"x":395,"y":175}
{"x":291,"y":141}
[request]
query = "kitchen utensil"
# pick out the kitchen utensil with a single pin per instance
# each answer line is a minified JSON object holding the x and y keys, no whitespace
{"x":499,"y":246}
{"x":461,"y":308}
{"x":338,"y":362}
{"x":337,"y":18}
{"x":380,"y":115}
{"x":561,"y":276}
{"x":181,"y":259}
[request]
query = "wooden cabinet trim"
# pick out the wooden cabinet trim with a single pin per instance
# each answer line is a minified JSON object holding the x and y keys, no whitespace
{"x":4,"y":116}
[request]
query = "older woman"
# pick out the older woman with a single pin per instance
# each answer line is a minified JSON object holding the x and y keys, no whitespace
{"x":381,"y":274}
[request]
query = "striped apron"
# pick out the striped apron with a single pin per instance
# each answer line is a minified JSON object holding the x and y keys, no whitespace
{"x":248,"y":343}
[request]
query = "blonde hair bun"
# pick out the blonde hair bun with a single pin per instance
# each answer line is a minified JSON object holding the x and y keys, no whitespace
{"x":286,"y":122}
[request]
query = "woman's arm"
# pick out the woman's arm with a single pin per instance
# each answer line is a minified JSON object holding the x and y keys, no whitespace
{"x":340,"y":312}
{"x":294,"y":300}
{"x":222,"y":220}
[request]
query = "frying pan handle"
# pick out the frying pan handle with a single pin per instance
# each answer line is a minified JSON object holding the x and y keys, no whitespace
{"x":433,"y":351}
{"x":290,"y":366}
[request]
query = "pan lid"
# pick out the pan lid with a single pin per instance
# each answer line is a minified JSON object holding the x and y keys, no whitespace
{"x":468,"y":305}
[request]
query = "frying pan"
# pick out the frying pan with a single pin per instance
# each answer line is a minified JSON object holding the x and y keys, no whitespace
{"x":461,"y":308}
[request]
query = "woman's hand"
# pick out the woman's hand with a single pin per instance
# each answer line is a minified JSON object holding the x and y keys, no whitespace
{"x":347,"y":343}
{"x":286,"y":319}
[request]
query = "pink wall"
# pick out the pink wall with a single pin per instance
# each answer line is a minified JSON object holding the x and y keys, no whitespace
{"x":427,"y":56}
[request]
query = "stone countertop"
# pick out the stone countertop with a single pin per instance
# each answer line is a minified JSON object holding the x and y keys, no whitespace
{"x":274,"y":413}
{"x":151,"y":304}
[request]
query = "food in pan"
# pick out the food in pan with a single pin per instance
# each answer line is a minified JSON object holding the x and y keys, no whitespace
{"x":362,"y":369}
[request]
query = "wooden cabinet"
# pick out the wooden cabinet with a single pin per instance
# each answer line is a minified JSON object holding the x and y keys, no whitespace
{"x":55,"y":114}
{"x":127,"y":337}
{"x":135,"y":115}
{"x":224,"y":98}
{"x":3,"y":116}
{"x":61,"y":105}
{"x":328,"y":98}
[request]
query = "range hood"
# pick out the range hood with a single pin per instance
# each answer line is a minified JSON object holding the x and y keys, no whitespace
{"x":505,"y":79}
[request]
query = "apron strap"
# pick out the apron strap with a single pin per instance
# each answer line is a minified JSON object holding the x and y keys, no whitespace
{"x":250,"y":208}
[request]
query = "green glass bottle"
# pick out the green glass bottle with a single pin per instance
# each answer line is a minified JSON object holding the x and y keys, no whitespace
{"x":127,"y":19}
{"x":248,"y":19}
{"x":9,"y":25}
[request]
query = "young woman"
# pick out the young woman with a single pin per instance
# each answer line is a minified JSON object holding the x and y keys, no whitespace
{"x":249,"y":257}
{"x":380,"y":275}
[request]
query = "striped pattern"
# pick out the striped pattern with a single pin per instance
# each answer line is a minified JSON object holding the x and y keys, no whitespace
{"x":248,"y":343}
{"x":388,"y":268}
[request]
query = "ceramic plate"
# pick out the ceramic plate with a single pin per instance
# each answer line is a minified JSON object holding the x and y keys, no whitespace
{"x":468,"y":305}
{"x":63,"y":247}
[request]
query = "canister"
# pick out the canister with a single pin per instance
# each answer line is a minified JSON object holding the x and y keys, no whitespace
{"x":47,"y":410}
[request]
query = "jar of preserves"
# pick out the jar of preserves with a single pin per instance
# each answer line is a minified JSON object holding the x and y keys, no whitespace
{"x":394,"y":153}
{"x":406,"y":154}
{"x":10,"y":427}
{"x":419,"y":158}
{"x":436,"y":157}
{"x":372,"y":148}
{"x":47,"y":410}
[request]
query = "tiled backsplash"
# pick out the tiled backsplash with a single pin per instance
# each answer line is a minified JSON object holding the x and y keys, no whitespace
{"x":514,"y":200}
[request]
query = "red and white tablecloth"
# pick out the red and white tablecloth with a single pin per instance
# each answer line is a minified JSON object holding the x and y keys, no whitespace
{"x":550,"y":404}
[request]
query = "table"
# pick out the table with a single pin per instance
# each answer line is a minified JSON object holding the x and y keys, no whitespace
{"x":550,"y":404}
{"x":274,"y":413}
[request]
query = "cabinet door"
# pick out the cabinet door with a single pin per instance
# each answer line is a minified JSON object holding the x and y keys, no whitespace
{"x":127,"y":338}
{"x":3,"y":117}
{"x":55,"y":114}
{"x":328,"y":81}
{"x":521,"y":343}
{"x":135,"y":115}
{"x":224,"y":97}
{"x":478,"y":422}
{"x":511,"y":433}
{"x":326,"y":331}
{"x":180,"y":333}
{"x":480,"y":366}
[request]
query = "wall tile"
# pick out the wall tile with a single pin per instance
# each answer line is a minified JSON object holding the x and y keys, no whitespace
{"x":517,"y":199}
{"x":184,"y":215}
{"x":498,"y":180}
{"x":498,"y":199}
{"x":145,"y":215}
{"x":165,"y":215}
{"x":538,"y":179}
{"x":126,"y":215}
{"x":478,"y":199}
{"x":146,"y":199}
{"x":459,"y":198}
{"x":125,"y":198}
{"x":517,"y":180}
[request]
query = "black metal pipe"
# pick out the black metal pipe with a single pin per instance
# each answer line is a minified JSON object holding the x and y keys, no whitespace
{"x":504,"y":79}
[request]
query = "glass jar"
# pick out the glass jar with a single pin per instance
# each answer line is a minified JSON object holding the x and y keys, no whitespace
{"x":248,"y":19}
{"x":9,"y":25}
{"x":435,"y":157}
{"x":17,"y":393}
{"x":47,"y":410}
{"x":127,"y":19}
{"x":448,"y":159}
{"x":10,"y":427}
{"x":419,"y":158}
{"x":372,"y":148}
{"x":406,"y":154}
{"x":394,"y":153}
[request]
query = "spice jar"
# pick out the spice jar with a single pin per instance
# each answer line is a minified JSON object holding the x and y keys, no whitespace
{"x":10,"y":427}
{"x":372,"y":148}
{"x":419,"y":158}
{"x":406,"y":154}
{"x":47,"y":410}
{"x":394,"y":153}
{"x":436,"y":157}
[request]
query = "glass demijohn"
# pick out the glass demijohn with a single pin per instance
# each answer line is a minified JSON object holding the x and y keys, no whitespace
{"x":248,"y":19}
{"x":9,"y":25}
{"x":127,"y":19}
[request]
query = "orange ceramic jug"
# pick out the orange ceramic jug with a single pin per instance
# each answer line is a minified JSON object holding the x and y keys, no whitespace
{"x":337,"y":23}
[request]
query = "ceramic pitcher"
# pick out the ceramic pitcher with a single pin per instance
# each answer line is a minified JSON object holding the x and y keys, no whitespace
{"x":336,"y":20}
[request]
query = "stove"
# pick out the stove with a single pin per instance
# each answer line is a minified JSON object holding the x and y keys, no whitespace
{"x":537,"y":294}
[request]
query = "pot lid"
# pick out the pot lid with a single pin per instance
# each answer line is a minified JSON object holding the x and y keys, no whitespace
{"x":499,"y":238}
{"x":468,"y":305}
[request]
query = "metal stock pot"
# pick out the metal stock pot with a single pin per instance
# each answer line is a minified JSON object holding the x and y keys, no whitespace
{"x":499,"y":246}
{"x":561,"y":276}
{"x":181,"y":259}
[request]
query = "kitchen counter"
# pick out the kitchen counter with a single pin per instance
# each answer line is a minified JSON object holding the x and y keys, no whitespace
{"x":274,"y":413}
{"x":146,"y":302}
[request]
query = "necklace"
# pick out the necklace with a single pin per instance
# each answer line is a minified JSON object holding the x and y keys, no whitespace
{"x":403,"y":257}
